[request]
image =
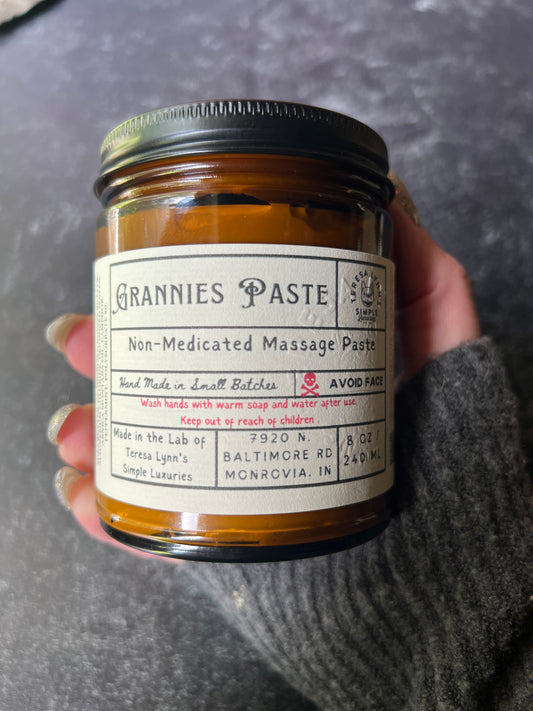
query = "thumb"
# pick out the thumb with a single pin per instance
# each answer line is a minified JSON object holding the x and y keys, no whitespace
{"x":435,"y":308}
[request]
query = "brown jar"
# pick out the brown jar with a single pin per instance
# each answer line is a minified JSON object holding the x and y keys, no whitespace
{"x":244,"y":332}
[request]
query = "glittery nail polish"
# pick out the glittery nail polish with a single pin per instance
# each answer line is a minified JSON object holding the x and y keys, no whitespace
{"x":64,"y":480}
{"x":56,"y":422}
{"x":57,"y":332}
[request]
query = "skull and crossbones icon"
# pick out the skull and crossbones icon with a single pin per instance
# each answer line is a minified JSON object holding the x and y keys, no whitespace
{"x":309,"y":385}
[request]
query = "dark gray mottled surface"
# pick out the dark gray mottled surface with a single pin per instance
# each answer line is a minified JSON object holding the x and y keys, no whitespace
{"x":448,"y":83}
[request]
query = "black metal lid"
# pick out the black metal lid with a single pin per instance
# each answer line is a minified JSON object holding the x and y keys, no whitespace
{"x":245,"y":126}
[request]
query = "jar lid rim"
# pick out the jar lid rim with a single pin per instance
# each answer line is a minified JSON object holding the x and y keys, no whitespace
{"x":243,"y":126}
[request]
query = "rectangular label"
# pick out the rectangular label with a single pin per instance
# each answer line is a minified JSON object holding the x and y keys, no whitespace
{"x":243,"y":379}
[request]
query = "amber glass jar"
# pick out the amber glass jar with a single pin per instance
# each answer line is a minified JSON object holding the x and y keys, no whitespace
{"x":244,"y":326}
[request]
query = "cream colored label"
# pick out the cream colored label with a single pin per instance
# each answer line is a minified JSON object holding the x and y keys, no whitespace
{"x":243,"y":378}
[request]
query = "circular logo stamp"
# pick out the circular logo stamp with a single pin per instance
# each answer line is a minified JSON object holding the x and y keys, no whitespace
{"x":366,"y":292}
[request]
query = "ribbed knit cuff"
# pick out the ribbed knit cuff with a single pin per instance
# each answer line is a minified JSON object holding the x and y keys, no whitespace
{"x":431,"y":614}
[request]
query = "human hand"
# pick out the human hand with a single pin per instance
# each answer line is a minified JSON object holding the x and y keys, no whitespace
{"x":71,"y":429}
{"x":435,"y":313}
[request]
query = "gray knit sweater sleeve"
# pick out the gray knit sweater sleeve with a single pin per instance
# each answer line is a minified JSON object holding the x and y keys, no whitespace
{"x":436,"y":612}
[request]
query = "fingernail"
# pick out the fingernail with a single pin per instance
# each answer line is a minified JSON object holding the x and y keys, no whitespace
{"x":56,"y":422}
{"x":403,"y":198}
{"x":57,"y":332}
{"x":64,"y":480}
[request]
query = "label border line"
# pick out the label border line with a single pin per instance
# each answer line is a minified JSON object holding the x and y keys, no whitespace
{"x":248,"y":328}
{"x":227,"y":372}
{"x":247,"y":397}
{"x":251,"y":429}
{"x":335,"y":482}
{"x":248,"y":255}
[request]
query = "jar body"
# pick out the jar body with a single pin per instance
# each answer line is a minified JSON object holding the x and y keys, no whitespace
{"x":169,"y":419}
